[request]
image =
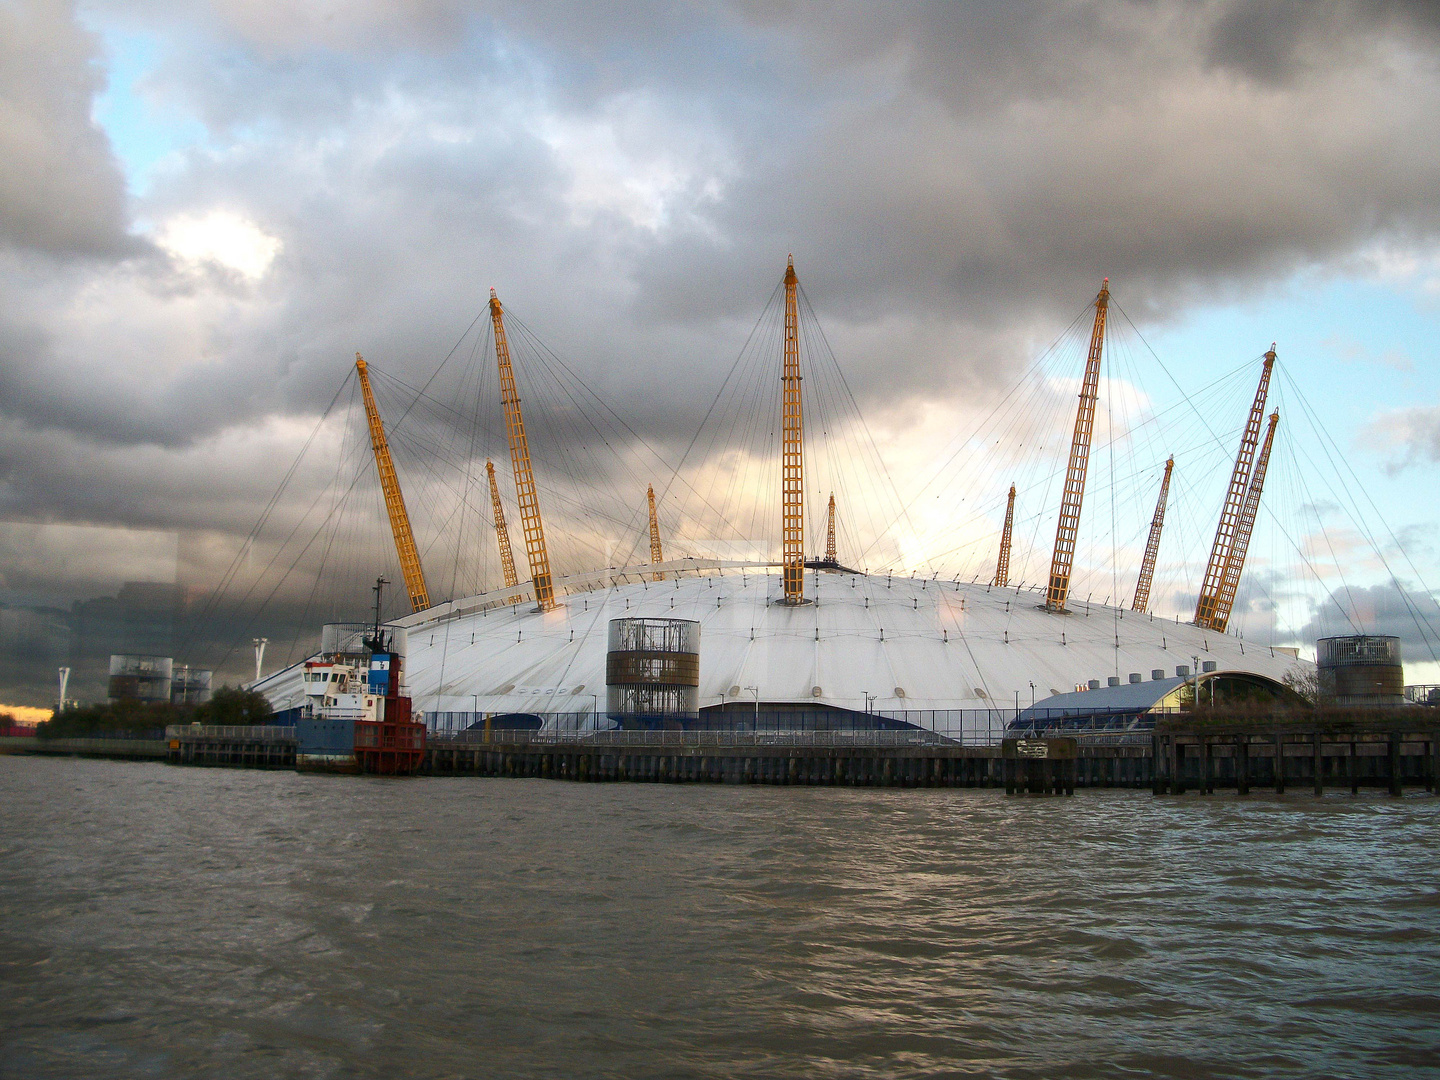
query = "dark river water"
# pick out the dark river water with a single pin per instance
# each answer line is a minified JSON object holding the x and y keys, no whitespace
{"x":169,"y":922}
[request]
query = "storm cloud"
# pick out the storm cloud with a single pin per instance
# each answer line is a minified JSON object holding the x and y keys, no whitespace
{"x":953,"y":180}
{"x":61,"y":191}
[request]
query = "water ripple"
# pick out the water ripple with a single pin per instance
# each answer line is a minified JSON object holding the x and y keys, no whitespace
{"x":163,"y":922}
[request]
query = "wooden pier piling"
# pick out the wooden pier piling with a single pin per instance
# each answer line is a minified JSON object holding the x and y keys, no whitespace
{"x":1236,"y":754}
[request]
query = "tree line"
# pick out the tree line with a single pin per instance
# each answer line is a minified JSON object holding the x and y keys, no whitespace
{"x":228,"y":705}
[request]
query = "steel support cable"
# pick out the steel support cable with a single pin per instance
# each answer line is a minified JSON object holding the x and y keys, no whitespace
{"x":821,"y":349}
{"x":1334,"y":557}
{"x":339,"y":503}
{"x":1012,"y":411}
{"x":674,"y":471}
{"x":754,"y":429}
{"x":313,"y":536}
{"x":1319,"y":520}
{"x":1012,"y":426}
{"x":560,"y":462}
{"x":233,"y":569}
{"x":1014,"y":386}
{"x":742,"y":437}
{"x":314,"y":588}
{"x":725,"y":386}
{"x":829,"y":432}
{"x":1300,"y":551}
{"x":840,"y":444}
{"x":624,"y":519}
{"x":1324,"y":438}
{"x":1047,"y":478}
{"x":220,"y":594}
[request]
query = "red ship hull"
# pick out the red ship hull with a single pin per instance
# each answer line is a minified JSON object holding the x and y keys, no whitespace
{"x":394,"y":746}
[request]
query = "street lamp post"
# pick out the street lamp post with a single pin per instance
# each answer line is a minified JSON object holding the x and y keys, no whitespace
{"x":756,"y":690}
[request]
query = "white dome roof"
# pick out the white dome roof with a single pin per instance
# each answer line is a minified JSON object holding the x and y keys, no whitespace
{"x":896,"y":644}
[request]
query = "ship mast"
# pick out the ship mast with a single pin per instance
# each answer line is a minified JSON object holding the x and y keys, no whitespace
{"x":1230,"y":583}
{"x":1063,"y":558}
{"x":530,"y":522}
{"x":502,"y":534}
{"x":1152,"y":545}
{"x":1209,"y":602}
{"x":792,"y":462}
{"x":394,"y":501}
{"x":1002,"y":564}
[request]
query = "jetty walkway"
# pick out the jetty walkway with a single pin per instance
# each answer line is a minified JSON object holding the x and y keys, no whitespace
{"x":1181,"y":755}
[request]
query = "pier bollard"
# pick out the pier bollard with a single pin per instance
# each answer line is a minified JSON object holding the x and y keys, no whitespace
{"x":1319,"y":766}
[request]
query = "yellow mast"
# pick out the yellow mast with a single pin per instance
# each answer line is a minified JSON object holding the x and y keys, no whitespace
{"x":1209,"y":602}
{"x":1063,"y":558}
{"x":831,"y":553}
{"x":1231,"y":581}
{"x":502,"y":533}
{"x":530,"y":523}
{"x":1002,"y":564}
{"x":1152,"y":546}
{"x":656,"y":556}
{"x":394,"y":500}
{"x":792,"y":462}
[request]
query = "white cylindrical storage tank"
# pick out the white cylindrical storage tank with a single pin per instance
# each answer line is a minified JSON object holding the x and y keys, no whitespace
{"x":652,"y":672}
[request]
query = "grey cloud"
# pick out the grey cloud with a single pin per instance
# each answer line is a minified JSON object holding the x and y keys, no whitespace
{"x":1410,"y":614}
{"x":1410,"y":437}
{"x":1268,"y":40}
{"x":952,"y":179}
{"x":61,"y":191}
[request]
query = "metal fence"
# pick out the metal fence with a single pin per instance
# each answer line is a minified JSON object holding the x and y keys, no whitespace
{"x":695,"y":738}
{"x":966,"y":727}
{"x":230,"y":732}
{"x":123,"y":733}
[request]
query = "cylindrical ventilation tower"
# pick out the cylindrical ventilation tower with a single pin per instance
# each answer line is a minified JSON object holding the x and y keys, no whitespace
{"x":1361,"y":670}
{"x":190,"y":686}
{"x":140,"y":678}
{"x":652,"y":672}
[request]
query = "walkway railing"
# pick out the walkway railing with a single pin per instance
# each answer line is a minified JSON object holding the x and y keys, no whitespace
{"x":231,"y":732}
{"x":692,"y":738}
